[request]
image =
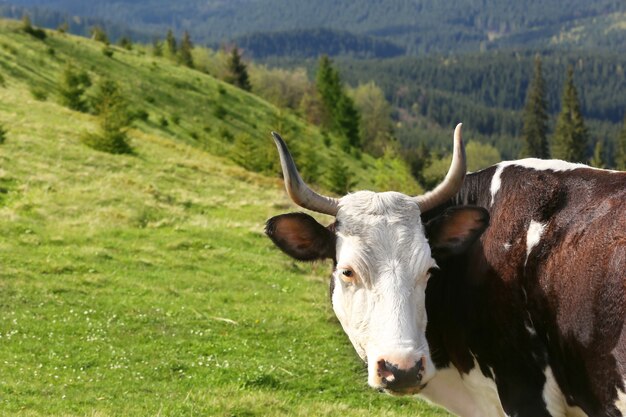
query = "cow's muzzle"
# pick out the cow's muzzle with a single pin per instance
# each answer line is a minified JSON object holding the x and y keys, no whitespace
{"x":396,"y":379}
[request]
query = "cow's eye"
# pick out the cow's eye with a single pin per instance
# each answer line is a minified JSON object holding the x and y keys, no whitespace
{"x":347,"y":275}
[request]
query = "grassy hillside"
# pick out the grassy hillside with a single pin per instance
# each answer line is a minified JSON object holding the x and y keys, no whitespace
{"x":143,"y":284}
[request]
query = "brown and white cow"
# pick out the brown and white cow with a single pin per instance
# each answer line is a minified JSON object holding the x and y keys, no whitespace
{"x":502,"y":292}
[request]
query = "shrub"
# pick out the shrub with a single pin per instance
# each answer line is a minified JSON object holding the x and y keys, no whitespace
{"x":141,"y":114}
{"x":3,"y":134}
{"x":28,"y":28}
{"x":226,"y":134}
{"x":39,"y":93}
{"x":176,"y":119}
{"x":125,"y":43}
{"x":219,"y":111}
{"x":115,"y":143}
{"x":107,"y":51}
{"x":163,"y":121}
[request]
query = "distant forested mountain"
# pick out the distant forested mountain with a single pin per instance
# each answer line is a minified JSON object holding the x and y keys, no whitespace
{"x":488,"y":90}
{"x":417,"y":25}
{"x":303,"y":43}
{"x":78,"y":25}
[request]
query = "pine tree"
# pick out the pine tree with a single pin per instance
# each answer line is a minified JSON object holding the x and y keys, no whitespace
{"x":98,"y":34}
{"x":126,"y":43}
{"x":598,"y":155}
{"x":27,"y":26}
{"x":535,"y":127}
{"x":237,"y":71}
{"x":339,"y":179}
{"x":185,"y":50}
{"x":347,"y":119}
{"x":157,"y":47}
{"x":328,"y":84}
{"x":620,"y":152}
{"x":63,"y":27}
{"x":170,"y":41}
{"x":72,"y":87}
{"x":571,"y":137}
{"x":342,"y":115}
{"x":113,"y":119}
{"x":30,"y":29}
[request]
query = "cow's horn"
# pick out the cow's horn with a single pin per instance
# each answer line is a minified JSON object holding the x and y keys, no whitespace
{"x":453,"y":181}
{"x":299,"y":192}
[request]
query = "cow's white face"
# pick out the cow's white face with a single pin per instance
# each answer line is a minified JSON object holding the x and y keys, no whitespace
{"x":379,"y":284}
{"x":382,"y":262}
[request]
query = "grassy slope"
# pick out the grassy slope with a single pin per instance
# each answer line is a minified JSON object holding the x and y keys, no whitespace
{"x":143,"y":285}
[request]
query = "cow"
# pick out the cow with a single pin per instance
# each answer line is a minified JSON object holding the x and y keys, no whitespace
{"x":498,"y":293}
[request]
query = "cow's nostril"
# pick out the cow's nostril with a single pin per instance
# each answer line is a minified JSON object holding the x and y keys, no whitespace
{"x":393,"y":377}
{"x":385,"y":371}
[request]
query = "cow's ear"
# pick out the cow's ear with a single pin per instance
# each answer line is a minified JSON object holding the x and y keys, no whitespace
{"x":301,"y":236}
{"x":454,"y":231}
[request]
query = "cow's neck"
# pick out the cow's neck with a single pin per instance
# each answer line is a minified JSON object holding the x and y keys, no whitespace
{"x":475,"y":319}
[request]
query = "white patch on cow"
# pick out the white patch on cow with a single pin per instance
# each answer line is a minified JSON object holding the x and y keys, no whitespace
{"x":530,"y":326}
{"x":555,"y":400}
{"x":485,"y":392}
{"x":531,"y":163}
{"x":496,"y":181}
{"x":447,"y":390}
{"x":530,"y":329}
{"x":533,"y":236}
{"x":620,"y":404}
{"x":507,"y":246}
{"x":467,"y":395}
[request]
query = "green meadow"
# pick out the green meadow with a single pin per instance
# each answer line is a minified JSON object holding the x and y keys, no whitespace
{"x":143,"y":285}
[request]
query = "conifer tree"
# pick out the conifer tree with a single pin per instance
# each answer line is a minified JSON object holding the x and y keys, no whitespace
{"x":125,"y":42}
{"x":620,"y":152}
{"x":328,"y":83}
{"x":347,"y":119}
{"x":535,"y":127}
{"x":157,"y":47}
{"x":63,"y":27}
{"x":339,"y":180}
{"x":237,"y":71}
{"x":571,"y":137}
{"x":30,"y":29}
{"x":341,"y":113}
{"x":113,"y":118}
{"x":98,"y":34}
{"x":72,"y":87}
{"x":170,"y":41}
{"x":185,"y":50}
{"x":598,"y":155}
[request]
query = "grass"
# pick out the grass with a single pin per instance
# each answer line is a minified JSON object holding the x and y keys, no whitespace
{"x":142,"y":285}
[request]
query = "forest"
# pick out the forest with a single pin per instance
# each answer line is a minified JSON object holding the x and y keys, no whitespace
{"x":419,"y":26}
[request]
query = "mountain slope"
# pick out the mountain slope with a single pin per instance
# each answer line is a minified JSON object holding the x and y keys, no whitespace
{"x":418,"y":25}
{"x":142,"y":284}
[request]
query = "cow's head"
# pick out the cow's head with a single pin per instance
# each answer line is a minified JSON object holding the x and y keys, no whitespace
{"x":383,"y":257}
